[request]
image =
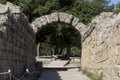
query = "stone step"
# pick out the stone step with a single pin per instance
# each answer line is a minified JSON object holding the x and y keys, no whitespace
{"x":57,"y":64}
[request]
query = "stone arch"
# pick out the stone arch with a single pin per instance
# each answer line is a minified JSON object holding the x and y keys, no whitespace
{"x":62,"y":17}
{"x":38,"y":23}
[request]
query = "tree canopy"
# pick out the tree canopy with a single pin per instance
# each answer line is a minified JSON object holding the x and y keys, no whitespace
{"x":61,"y":36}
{"x":117,"y":8}
{"x":83,"y":9}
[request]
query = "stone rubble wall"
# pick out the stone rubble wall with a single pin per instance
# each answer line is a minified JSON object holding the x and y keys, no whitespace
{"x":17,"y":45}
{"x":100,"y":41}
{"x":102,"y":47}
{"x":111,"y":73}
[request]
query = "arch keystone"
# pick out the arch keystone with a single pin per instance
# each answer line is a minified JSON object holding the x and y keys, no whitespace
{"x":53,"y":17}
{"x":64,"y":17}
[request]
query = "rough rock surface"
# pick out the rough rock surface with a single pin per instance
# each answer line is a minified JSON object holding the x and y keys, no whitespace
{"x":15,"y":35}
{"x":102,"y":46}
{"x":100,"y":41}
{"x":111,"y":73}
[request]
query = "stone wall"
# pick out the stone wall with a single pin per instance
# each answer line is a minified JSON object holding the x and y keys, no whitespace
{"x":100,"y":41}
{"x":102,"y":47}
{"x":61,"y":17}
{"x":111,"y":73}
{"x":17,"y":46}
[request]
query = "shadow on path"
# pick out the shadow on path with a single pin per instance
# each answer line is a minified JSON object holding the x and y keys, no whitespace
{"x":51,"y":74}
{"x":63,"y":74}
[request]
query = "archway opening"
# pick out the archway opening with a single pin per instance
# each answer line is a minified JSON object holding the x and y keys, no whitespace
{"x":60,"y":40}
{"x":64,"y":35}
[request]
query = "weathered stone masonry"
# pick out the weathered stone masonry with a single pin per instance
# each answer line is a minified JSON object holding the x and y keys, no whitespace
{"x":61,"y":17}
{"x":100,"y":42}
{"x":101,"y":50}
{"x":17,"y":46}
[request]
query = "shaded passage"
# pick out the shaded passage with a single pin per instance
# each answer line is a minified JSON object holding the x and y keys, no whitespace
{"x":63,"y":74}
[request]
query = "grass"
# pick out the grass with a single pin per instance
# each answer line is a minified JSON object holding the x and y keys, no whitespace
{"x":91,"y":75}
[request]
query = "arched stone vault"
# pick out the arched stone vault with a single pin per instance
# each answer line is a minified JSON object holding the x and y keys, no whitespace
{"x":66,"y":18}
{"x":100,"y":50}
{"x":59,"y":17}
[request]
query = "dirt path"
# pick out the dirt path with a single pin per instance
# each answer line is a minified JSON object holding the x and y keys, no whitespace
{"x":62,"y":74}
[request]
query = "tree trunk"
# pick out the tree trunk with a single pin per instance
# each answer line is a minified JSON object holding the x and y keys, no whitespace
{"x":51,"y":52}
{"x":68,"y":51}
{"x":38,"y":48}
{"x":56,"y":49}
{"x":61,"y":49}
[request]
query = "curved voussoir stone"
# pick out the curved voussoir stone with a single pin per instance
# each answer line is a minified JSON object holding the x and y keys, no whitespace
{"x":53,"y":17}
{"x":75,"y":21}
{"x":69,"y":19}
{"x":35,"y":29}
{"x":38,"y":23}
{"x":81,"y":28}
{"x":66,"y":18}
{"x":43,"y":19}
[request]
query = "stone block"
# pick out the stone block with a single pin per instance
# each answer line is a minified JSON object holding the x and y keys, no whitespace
{"x":75,"y":21}
{"x":69,"y":19}
{"x":13,"y":8}
{"x":43,"y":19}
{"x":53,"y":17}
{"x":3,"y":9}
{"x":111,"y":73}
{"x":3,"y":20}
{"x":64,"y":17}
{"x":81,"y":28}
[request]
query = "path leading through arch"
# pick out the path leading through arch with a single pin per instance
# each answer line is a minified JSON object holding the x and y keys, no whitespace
{"x":62,"y":73}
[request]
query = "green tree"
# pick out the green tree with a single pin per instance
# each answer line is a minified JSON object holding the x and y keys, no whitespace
{"x":83,"y":9}
{"x":3,"y":1}
{"x":117,"y":9}
{"x":59,"y":36}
